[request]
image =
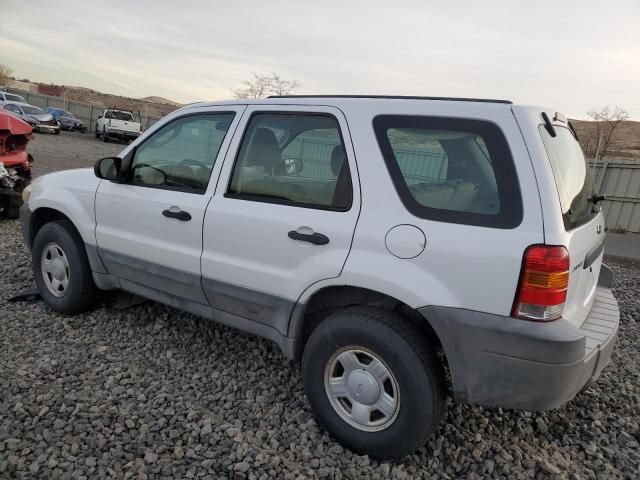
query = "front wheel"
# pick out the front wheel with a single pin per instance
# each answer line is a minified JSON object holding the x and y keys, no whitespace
{"x":374,"y":382}
{"x":61,"y":269}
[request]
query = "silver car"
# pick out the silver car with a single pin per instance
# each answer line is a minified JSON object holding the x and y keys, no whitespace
{"x":39,"y":120}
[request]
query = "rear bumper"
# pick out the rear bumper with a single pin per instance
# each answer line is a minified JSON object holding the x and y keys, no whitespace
{"x":499,"y":361}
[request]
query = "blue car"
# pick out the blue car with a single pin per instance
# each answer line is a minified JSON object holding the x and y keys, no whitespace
{"x":67,"y":120}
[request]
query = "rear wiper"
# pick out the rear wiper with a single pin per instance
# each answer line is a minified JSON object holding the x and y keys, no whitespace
{"x":548,"y":125}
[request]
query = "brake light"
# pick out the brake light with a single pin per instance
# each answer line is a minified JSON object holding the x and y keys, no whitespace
{"x":544,"y":280}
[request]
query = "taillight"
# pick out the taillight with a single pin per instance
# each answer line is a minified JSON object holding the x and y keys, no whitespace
{"x":543,"y":284}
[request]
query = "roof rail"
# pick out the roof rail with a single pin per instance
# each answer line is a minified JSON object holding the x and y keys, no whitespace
{"x":399,"y":97}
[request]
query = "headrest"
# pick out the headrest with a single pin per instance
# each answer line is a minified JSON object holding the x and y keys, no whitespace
{"x":263,"y":150}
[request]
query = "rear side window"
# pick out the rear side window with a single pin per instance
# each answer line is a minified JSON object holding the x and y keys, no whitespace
{"x":572,"y":175}
{"x":451,"y":170}
{"x":296,"y":159}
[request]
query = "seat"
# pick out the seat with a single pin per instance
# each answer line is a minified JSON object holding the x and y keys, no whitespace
{"x":262,"y":160}
{"x":337,"y":193}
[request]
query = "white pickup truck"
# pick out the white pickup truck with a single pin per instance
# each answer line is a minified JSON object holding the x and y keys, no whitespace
{"x":117,"y":124}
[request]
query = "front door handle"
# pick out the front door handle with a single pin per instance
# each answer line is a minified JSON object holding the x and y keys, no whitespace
{"x":175,"y":212}
{"x":315,"y":238}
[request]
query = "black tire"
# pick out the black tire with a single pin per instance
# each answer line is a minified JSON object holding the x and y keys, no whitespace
{"x":105,"y":137}
{"x":12,"y":208}
{"x":411,"y":359}
{"x":82,"y":293}
{"x":97,"y":132}
{"x":57,"y":132}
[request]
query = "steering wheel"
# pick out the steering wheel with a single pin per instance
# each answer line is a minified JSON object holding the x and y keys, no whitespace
{"x":205,"y":171}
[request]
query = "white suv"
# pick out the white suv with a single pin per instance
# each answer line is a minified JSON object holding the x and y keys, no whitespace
{"x":363,"y":235}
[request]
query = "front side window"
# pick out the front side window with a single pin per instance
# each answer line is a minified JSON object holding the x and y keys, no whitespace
{"x":12,"y":108}
{"x":294,"y":159}
{"x":572,"y":175}
{"x":182,"y":153}
{"x":451,"y":170}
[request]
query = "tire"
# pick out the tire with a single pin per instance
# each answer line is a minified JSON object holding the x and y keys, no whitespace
{"x":97,"y":132}
{"x":57,"y":132}
{"x":12,"y":208}
{"x":81,"y":293}
{"x":415,"y":379}
{"x":105,"y":137}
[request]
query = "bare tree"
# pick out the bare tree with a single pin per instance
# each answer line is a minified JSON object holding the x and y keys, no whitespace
{"x":606,"y":121}
{"x":6,"y":74}
{"x":262,"y":85}
{"x":280,"y":86}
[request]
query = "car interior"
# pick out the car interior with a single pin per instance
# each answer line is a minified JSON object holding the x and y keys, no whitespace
{"x":311,"y":142}
{"x":446,"y":170}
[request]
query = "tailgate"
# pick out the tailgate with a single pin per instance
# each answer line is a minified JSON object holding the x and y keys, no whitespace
{"x":586,"y":246}
{"x":582,"y":223}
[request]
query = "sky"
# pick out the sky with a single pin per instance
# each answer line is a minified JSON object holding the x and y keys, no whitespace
{"x":568,"y":55}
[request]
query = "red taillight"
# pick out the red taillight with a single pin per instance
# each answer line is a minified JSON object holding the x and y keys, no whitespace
{"x":543,"y":284}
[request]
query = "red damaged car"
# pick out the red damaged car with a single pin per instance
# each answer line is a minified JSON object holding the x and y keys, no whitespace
{"x":15,"y":163}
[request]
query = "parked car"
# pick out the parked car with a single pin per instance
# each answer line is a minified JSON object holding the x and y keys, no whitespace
{"x":67,"y":120}
{"x":39,"y":120}
{"x":115,"y":124}
{"x":11,"y":97}
{"x":15,"y":163}
{"x":359,"y":234}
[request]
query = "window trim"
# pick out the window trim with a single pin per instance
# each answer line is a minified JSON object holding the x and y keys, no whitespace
{"x":197,"y":191}
{"x":250,"y":197}
{"x":511,"y":211}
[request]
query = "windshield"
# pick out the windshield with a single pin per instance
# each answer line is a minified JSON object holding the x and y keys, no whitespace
{"x":13,"y":98}
{"x":116,"y":115}
{"x":572,"y":175}
{"x":29,"y":110}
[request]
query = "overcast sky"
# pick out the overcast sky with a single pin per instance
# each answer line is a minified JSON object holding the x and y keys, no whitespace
{"x":569,"y":55}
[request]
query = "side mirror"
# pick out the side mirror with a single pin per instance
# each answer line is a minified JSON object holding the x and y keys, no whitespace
{"x":30,"y":158}
{"x":108,"y":168}
{"x":99,"y":116}
{"x":292,"y":166}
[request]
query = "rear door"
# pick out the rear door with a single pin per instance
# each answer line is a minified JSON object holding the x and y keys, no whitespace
{"x":283,"y":214}
{"x":583,"y":221}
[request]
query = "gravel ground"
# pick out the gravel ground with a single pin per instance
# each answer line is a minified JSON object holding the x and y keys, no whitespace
{"x":68,"y":150}
{"x":150,"y":392}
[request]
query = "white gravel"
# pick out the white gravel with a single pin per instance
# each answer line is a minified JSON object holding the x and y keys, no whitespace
{"x":150,"y":392}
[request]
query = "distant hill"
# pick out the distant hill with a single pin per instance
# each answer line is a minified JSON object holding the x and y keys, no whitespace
{"x":152,"y":106}
{"x":625,"y":140}
{"x":166,"y":101}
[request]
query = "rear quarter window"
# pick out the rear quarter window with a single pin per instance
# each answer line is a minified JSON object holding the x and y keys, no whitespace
{"x":451,"y":170}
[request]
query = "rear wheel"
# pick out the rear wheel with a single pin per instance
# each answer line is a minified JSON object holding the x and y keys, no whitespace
{"x":373,"y":382}
{"x":61,"y":269}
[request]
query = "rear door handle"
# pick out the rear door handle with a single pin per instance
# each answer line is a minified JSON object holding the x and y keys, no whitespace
{"x":175,"y":212}
{"x":315,"y":238}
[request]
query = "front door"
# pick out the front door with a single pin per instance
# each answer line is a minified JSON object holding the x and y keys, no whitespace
{"x":149,"y":230}
{"x":283,"y":214}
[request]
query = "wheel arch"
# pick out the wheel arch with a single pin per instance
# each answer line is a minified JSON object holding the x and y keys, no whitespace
{"x":332,"y":298}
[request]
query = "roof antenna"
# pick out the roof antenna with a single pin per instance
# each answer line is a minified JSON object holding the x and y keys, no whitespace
{"x":548,"y":125}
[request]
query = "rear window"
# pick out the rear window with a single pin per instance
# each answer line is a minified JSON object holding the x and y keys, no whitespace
{"x":451,"y":170}
{"x":572,"y":175}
